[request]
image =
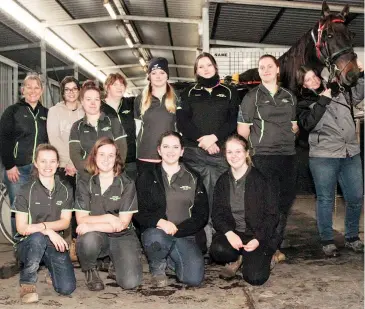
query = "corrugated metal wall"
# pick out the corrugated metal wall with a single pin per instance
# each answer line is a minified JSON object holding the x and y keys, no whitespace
{"x":6,"y":86}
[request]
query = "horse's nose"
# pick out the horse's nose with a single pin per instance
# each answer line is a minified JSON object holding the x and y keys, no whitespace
{"x":351,"y":78}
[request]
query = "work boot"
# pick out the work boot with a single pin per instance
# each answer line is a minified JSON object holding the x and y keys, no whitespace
{"x":28,"y":293}
{"x":330,"y":250}
{"x":357,"y":245}
{"x":73,"y":255}
{"x":159,"y":281}
{"x":279,"y":256}
{"x":111,"y":271}
{"x":93,"y":281}
{"x":229,"y":271}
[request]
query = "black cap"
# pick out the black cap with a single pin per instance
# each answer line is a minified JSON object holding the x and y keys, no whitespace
{"x":158,"y":63}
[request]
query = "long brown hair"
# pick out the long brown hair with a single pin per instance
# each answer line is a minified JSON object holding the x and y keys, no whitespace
{"x":210,"y":57}
{"x":91,"y":165}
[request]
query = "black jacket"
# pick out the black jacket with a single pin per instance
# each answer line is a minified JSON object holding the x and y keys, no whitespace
{"x":126,"y":117}
{"x":260,"y":215}
{"x":152,"y":204}
{"x":22,"y":129}
{"x":203,"y":113}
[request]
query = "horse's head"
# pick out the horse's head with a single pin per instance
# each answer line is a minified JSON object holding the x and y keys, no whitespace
{"x":334,"y":45}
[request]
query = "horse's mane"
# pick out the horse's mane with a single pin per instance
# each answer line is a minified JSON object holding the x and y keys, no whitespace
{"x":301,"y":53}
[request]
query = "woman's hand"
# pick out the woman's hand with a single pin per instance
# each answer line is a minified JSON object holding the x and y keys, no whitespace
{"x":117,"y":225}
{"x":206,"y":141}
{"x":327,"y":93}
{"x":213,"y":149}
{"x":83,"y":228}
{"x":13,"y":174}
{"x":234,"y":240}
{"x":360,"y":65}
{"x":59,"y":243}
{"x":34,"y":228}
{"x":70,"y":170}
{"x":167,"y":226}
{"x":251,"y":245}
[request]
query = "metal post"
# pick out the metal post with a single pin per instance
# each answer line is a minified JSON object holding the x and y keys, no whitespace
{"x":44,"y":71}
{"x":76,"y":71}
{"x":205,"y":28}
{"x":15,"y":84}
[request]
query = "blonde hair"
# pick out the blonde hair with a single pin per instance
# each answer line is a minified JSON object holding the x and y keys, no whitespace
{"x":170,"y":100}
{"x":33,"y":76}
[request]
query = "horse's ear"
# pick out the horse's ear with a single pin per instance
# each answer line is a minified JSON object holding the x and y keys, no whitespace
{"x":345,"y":11}
{"x":325,"y":9}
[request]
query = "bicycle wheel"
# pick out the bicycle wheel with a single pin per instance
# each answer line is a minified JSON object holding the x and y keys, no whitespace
{"x":5,"y":216}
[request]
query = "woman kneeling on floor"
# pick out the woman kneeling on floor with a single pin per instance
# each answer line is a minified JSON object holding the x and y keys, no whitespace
{"x":43,"y":210}
{"x":105,"y":203}
{"x":173,"y":210}
{"x":243,"y":218}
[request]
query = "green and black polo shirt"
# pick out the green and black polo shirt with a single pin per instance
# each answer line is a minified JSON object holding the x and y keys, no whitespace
{"x":41,"y":204}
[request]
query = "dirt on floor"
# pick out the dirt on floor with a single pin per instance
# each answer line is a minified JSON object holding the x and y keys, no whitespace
{"x":306,"y":280}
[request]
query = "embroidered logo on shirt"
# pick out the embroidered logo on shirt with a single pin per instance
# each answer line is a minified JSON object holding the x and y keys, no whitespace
{"x":221,"y":95}
{"x":43,"y":118}
{"x":126,"y":111}
{"x":25,"y":116}
{"x":59,"y":203}
{"x":106,"y":129}
{"x":37,"y":203}
{"x":115,"y":198}
{"x":267,"y":101}
{"x":185,"y":188}
{"x":86,"y":131}
{"x":284,"y":101}
{"x":198,"y":95}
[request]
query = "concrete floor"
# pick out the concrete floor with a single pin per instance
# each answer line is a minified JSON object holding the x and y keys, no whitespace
{"x":306,"y":280}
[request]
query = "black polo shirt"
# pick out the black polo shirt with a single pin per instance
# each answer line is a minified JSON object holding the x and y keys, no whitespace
{"x":41,"y":204}
{"x":237,"y":199}
{"x":83,"y":137}
{"x":155,"y":121}
{"x":126,"y":117}
{"x":119,"y":198}
{"x":271,"y":118}
{"x":180,"y":195}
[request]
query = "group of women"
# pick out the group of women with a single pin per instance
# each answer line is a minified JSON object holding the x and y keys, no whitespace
{"x":206,"y":187}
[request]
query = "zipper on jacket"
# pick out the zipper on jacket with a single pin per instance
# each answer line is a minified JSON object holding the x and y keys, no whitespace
{"x":319,"y":133}
{"x":15,"y":151}
{"x":36,"y":132}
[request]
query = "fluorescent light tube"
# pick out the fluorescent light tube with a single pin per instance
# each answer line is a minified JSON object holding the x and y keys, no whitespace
{"x":110,"y":10}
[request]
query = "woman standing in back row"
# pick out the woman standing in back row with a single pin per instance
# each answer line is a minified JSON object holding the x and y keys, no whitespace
{"x":267,"y":118}
{"x":207,"y":116}
{"x":154,"y":112}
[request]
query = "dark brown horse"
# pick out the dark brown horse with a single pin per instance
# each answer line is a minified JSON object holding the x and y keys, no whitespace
{"x":328,"y":43}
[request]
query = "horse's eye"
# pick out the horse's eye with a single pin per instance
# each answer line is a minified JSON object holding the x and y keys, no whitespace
{"x":330,"y":36}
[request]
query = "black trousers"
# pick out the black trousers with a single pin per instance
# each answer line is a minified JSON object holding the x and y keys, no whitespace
{"x":255,"y":264}
{"x":71,"y":180}
{"x":280,"y":173}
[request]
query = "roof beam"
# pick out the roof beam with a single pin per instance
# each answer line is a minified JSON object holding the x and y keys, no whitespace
{"x":19,"y":46}
{"x":246,"y":44}
{"x":126,"y":66}
{"x":187,"y":79}
{"x":50,"y":24}
{"x":149,"y":46}
{"x":290,"y":4}
{"x":272,"y":25}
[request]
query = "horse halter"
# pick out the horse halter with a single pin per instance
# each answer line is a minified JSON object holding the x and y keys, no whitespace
{"x":329,"y":59}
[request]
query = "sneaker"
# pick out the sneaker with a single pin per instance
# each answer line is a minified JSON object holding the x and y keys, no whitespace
{"x":28,"y":293}
{"x":93,"y":281}
{"x":229,"y":271}
{"x":278,"y":256}
{"x":159,"y":281}
{"x":330,"y":250}
{"x":357,"y":245}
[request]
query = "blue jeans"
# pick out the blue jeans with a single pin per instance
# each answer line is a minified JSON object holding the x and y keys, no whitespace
{"x":348,"y":172}
{"x":124,"y":251}
{"x":37,"y":248}
{"x":184,"y":254}
{"x":13,"y":188}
